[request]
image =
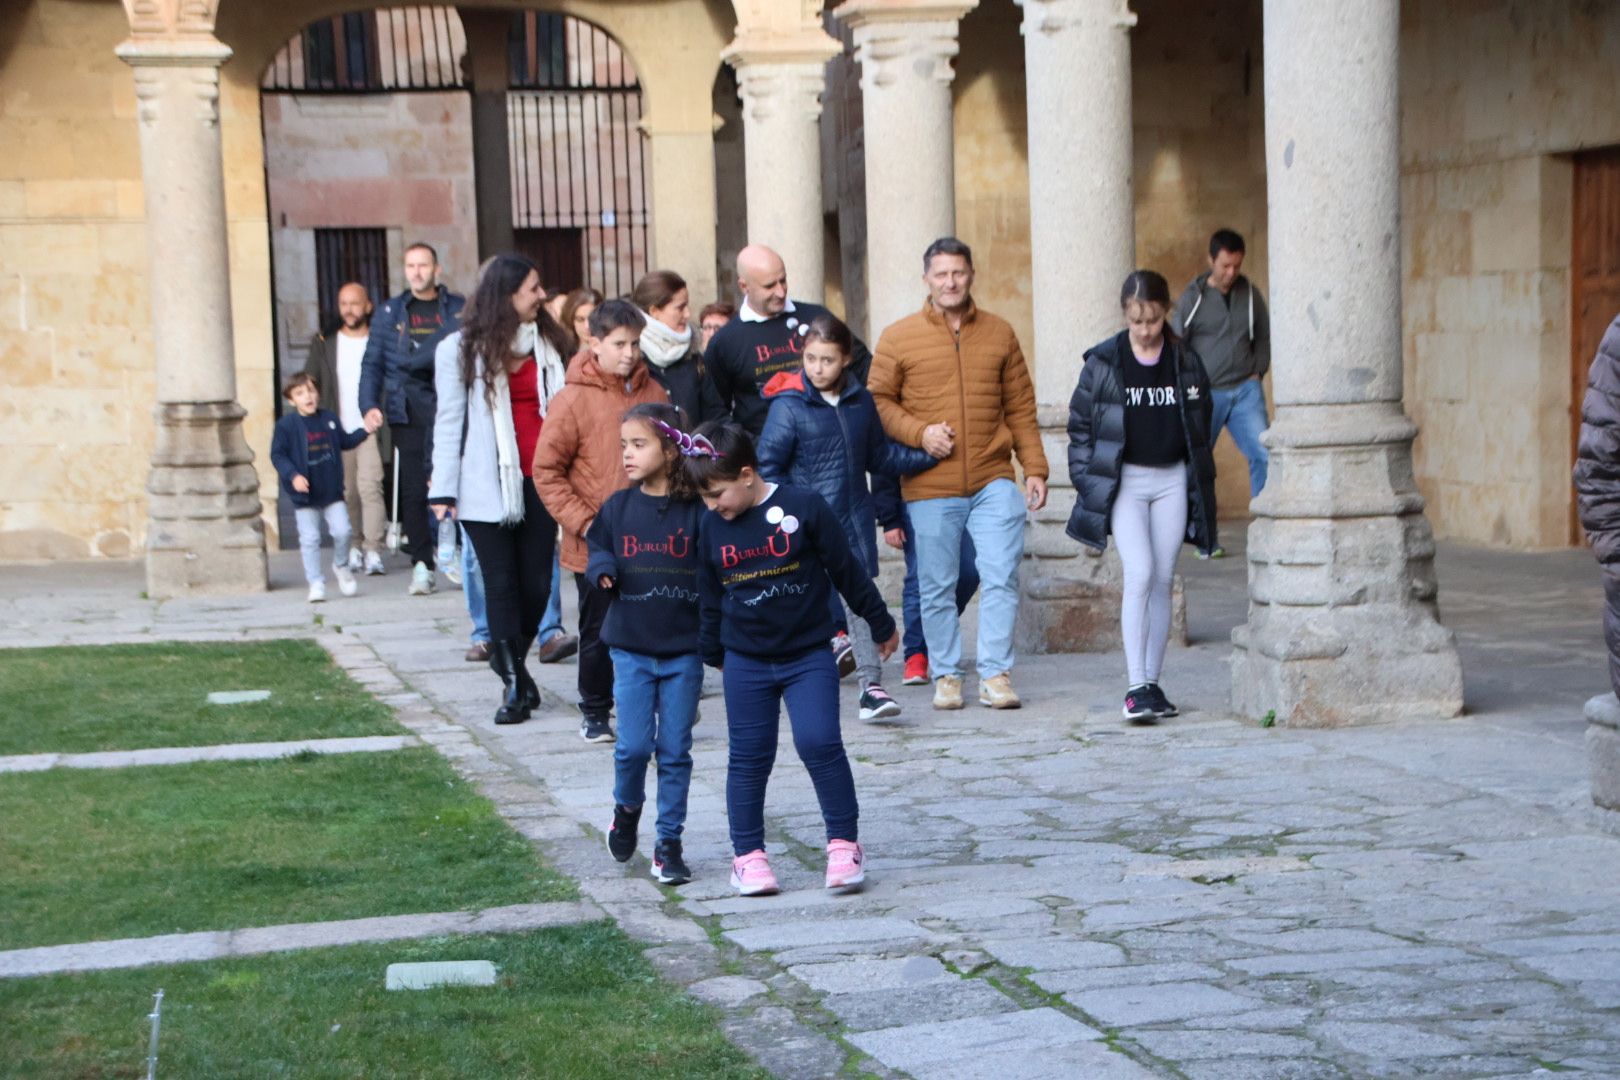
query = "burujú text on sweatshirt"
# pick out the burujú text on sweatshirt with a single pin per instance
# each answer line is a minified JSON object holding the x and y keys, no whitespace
{"x":648,"y":545}
{"x":749,"y":351}
{"x":766,"y":578}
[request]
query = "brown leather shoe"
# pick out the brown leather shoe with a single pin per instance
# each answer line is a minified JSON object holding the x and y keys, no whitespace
{"x":557,"y":647}
{"x":479,"y":653}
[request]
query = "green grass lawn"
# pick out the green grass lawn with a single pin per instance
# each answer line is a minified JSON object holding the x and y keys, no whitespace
{"x":128,"y":697}
{"x":91,"y":855}
{"x":573,"y":1003}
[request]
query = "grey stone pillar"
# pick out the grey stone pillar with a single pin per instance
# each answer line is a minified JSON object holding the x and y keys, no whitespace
{"x":489,"y":69}
{"x":780,"y":83}
{"x":204,"y":529}
{"x":1343,"y":623}
{"x":905,"y":48}
{"x":1082,"y":245}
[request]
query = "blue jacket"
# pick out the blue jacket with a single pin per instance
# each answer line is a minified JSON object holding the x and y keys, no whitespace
{"x":390,"y":364}
{"x":289,"y":453}
{"x":808,"y":443}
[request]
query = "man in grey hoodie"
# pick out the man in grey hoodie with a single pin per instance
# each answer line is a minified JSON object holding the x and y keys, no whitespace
{"x":1222,"y":317}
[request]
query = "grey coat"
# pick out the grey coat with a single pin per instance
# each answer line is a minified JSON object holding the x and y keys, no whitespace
{"x":1597,"y":481}
{"x":1230,"y":334}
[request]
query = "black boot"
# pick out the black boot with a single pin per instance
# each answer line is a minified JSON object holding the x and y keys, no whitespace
{"x":525,"y":682}
{"x":501,"y":660}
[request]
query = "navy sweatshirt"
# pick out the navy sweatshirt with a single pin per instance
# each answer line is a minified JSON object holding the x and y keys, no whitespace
{"x":745,"y":355}
{"x":647,"y":545}
{"x":312,"y":447}
{"x":767,"y":575}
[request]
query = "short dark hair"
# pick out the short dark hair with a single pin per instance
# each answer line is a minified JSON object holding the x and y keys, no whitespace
{"x":947,"y":245}
{"x":831,"y":329}
{"x":733,"y":452}
{"x":423,"y":246}
{"x":1225,"y":240}
{"x":717,"y":308}
{"x":303,"y":378}
{"x":609,"y":315}
{"x":656,"y":289}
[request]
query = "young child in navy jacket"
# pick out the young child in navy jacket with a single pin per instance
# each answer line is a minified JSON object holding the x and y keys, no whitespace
{"x":307,"y":451}
{"x":769,"y":558}
{"x":643,"y":555}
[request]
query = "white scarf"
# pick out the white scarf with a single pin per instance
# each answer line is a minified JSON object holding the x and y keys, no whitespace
{"x":549,"y":380}
{"x":552,"y":374}
{"x":661,"y":345}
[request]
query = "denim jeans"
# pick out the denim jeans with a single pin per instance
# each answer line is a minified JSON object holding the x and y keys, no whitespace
{"x":1242,"y":410}
{"x":472,"y":589}
{"x":551,"y":621}
{"x":308,"y":519}
{"x":755,"y":689}
{"x":658,"y":703}
{"x":967,"y":583}
{"x":993,"y":517}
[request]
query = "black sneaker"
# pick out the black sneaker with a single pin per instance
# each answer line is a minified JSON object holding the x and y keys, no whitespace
{"x":1162,"y":705}
{"x":621,"y":835}
{"x":667,"y":865}
{"x":596,"y":729}
{"x":843,"y":651}
{"x":1139,"y":705}
{"x":876,"y":704}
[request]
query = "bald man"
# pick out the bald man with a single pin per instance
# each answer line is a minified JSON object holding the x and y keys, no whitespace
{"x":766,"y":338}
{"x":334,"y":361}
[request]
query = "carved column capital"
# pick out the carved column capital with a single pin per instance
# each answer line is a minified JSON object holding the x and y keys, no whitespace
{"x":897,"y":40}
{"x":1056,"y":16}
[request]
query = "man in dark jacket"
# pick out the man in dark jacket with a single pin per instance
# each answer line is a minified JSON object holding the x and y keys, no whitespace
{"x":399,"y":366}
{"x":764,"y":340}
{"x":335,"y":362}
{"x":1597,"y":481}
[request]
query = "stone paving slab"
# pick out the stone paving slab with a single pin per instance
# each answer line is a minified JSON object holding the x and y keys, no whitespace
{"x":186,"y":755}
{"x":220,"y":944}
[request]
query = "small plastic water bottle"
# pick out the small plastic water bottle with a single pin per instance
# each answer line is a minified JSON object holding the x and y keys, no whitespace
{"x":449,"y":561}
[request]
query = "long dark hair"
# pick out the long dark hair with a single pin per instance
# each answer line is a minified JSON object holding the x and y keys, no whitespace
{"x":571,"y":305}
{"x":680,"y":482}
{"x":489,"y":322}
{"x":733,"y":452}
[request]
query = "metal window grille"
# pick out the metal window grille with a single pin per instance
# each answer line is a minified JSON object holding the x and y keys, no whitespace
{"x":409,"y":48}
{"x":345,"y":255}
{"x":573,"y":120}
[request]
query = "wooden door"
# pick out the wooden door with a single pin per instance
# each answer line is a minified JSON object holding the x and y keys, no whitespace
{"x":560,"y":254}
{"x":1594,"y":277}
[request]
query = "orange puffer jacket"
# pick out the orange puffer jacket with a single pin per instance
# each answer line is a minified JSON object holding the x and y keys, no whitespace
{"x":924,"y":373}
{"x":579,"y":463}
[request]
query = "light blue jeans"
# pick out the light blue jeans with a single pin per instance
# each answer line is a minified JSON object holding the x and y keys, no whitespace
{"x":994,"y":517}
{"x":551,"y":622}
{"x":308,"y":519}
{"x":472,"y":585}
{"x":657,"y":698}
{"x":1242,"y":409}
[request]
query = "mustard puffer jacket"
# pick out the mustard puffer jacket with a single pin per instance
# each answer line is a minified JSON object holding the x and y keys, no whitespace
{"x":925,"y":373}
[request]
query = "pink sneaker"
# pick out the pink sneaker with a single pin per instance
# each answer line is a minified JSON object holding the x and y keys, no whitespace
{"x":846,"y":864}
{"x":751,"y":875}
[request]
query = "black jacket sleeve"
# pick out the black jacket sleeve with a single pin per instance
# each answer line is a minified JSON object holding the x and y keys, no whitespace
{"x":719,"y":382}
{"x":601,"y":543}
{"x":848,"y":576}
{"x":373,"y":365}
{"x":710,"y":594}
{"x":777,"y":442}
{"x":887,"y":502}
{"x":281,"y":452}
{"x":861,"y":361}
{"x":1080,"y":405}
{"x":351,"y":439}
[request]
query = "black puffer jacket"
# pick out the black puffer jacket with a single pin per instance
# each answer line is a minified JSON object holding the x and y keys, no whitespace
{"x":1597,"y":481}
{"x":1097,"y":440}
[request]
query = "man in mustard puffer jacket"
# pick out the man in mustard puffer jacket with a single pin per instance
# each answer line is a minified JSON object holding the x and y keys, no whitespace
{"x":952,"y":380}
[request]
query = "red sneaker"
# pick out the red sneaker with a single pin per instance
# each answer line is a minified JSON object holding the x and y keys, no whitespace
{"x":916,"y":670}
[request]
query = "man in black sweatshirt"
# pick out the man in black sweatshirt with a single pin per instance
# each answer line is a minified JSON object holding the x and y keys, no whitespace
{"x":766,"y":338}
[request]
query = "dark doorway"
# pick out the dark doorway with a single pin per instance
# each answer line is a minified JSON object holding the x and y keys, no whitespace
{"x":1595,"y":275}
{"x":560,"y":254}
{"x":345,"y":255}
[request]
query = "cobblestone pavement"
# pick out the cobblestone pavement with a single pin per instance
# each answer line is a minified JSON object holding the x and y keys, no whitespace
{"x":1053,"y":894}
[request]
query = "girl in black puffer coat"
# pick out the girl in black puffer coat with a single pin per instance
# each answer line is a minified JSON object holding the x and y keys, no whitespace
{"x":1597,"y":481}
{"x":1140,"y":462}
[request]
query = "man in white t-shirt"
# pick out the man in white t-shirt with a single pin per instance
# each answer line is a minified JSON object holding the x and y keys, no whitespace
{"x":334,"y":361}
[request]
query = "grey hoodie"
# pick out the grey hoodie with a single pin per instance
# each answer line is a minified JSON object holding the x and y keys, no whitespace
{"x":1231,"y":334}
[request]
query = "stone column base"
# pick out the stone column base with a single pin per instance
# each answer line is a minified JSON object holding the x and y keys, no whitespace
{"x":205,"y":532}
{"x":1603,"y":758}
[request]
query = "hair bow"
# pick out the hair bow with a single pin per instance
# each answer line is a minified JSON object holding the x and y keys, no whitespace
{"x":688,"y":445}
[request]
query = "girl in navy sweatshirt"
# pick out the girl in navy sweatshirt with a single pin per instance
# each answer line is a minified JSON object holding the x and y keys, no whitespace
{"x":769,"y":558}
{"x":642,"y":554}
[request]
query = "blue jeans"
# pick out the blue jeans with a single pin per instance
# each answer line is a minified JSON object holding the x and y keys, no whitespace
{"x":967,"y":583}
{"x":1242,"y":410}
{"x":993,"y":517}
{"x":658,"y":702}
{"x":472,"y":584}
{"x":755,"y":689}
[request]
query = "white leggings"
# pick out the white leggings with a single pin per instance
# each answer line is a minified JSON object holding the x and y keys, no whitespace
{"x":1148,"y":521}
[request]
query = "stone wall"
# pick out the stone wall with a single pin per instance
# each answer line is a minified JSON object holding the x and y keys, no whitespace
{"x":1493,"y":96}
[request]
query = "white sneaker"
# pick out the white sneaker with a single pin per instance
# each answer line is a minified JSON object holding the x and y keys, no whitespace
{"x":357,"y":560}
{"x":422,"y":582}
{"x":345,"y":579}
{"x":374,"y":565}
{"x":317,"y":592}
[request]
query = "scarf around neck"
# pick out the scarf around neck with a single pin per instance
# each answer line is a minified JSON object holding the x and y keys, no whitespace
{"x":661,"y":345}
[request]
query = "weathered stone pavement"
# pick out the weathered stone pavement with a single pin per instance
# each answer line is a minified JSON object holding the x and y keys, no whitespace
{"x":1053,"y":894}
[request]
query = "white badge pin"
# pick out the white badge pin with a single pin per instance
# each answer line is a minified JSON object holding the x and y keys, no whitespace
{"x":792,"y":322}
{"x":774,"y":515}
{"x":790,"y":524}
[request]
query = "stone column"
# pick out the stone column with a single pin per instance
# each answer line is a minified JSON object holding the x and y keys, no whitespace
{"x":204,"y":529}
{"x":1077,"y":62}
{"x":1343,"y":623}
{"x":489,"y":68}
{"x":905,"y":48}
{"x":780,"y":82}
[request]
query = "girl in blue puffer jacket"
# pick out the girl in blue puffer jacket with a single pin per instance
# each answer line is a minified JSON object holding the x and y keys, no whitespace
{"x":823,"y":433}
